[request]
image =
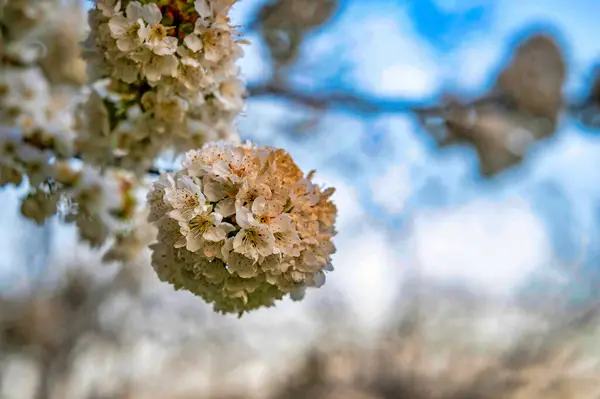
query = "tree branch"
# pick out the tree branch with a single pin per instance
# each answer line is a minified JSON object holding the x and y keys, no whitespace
{"x":366,"y":104}
{"x":360,"y":103}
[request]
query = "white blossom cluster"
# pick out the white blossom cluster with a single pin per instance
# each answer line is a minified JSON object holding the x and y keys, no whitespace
{"x":37,"y":135}
{"x":241,"y":226}
{"x":23,"y":25}
{"x":35,"y":114}
{"x":98,"y":203}
{"x":40,"y":115}
{"x":168,"y":79}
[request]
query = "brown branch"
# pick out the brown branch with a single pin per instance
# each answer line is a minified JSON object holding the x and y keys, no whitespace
{"x":360,"y":103}
{"x":366,"y":104}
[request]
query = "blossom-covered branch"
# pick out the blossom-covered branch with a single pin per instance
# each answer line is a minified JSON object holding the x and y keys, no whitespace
{"x":165,"y":77}
{"x":239,"y":226}
{"x":39,"y":89}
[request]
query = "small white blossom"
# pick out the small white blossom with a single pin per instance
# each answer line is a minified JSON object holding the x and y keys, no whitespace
{"x":109,"y":7}
{"x":125,"y":28}
{"x":155,"y":35}
{"x":253,"y":240}
{"x":185,"y":197}
{"x":202,"y":227}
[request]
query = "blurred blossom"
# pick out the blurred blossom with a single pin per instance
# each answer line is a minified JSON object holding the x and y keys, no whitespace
{"x":168,"y":80}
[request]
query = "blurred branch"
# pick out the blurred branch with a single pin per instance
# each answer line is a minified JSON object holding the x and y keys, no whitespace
{"x":360,"y":103}
{"x":524,"y":106}
{"x":366,"y":104}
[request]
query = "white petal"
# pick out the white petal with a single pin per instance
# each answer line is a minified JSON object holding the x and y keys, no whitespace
{"x":118,"y":25}
{"x":187,"y":56}
{"x":226,"y":207}
{"x":203,"y":8}
{"x":142,"y":56}
{"x":193,"y":42}
{"x":283,"y":222}
{"x":134,"y":11}
{"x":144,"y":31}
{"x":259,"y":206}
{"x":227,"y":248}
{"x":151,"y":14}
{"x":215,"y":234}
{"x":183,"y":215}
{"x":180,"y":243}
{"x":166,"y":46}
{"x":126,"y":44}
{"x":319,"y":279}
{"x":244,"y":217}
{"x":193,"y":244}
{"x":169,"y":65}
{"x":171,"y":44}
{"x":237,"y":242}
{"x":213,"y":191}
{"x":247,"y":272}
{"x":212,"y":55}
{"x":221,"y":169}
{"x":152,"y":72}
{"x":215,"y":218}
{"x":228,"y":227}
{"x":109,"y":7}
{"x":237,"y":157}
{"x":186,"y":183}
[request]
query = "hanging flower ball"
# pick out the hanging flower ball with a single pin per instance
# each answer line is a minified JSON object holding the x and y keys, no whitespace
{"x":241,"y":226}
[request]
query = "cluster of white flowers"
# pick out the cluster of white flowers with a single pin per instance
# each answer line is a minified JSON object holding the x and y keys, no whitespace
{"x":37,"y":135}
{"x":166,"y":77}
{"x":23,"y":25}
{"x":35,"y":114}
{"x":100,"y":204}
{"x":40,"y":115}
{"x":241,"y":226}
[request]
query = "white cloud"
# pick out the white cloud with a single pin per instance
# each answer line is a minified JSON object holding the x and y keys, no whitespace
{"x":489,"y":245}
{"x":364,"y":262}
{"x":403,"y":79}
{"x":391,"y":59}
{"x":473,"y":63}
{"x":572,"y":161}
{"x":385,"y":53}
{"x":392,"y":189}
{"x":365,"y":273}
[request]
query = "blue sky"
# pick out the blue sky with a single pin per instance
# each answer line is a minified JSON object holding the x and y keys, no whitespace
{"x":433,"y":208}
{"x":403,"y":204}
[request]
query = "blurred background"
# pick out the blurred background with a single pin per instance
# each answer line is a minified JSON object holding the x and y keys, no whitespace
{"x":461,"y":137}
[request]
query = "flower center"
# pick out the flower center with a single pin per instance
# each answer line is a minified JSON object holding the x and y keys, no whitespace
{"x":133,"y":30}
{"x":251,"y":237}
{"x":200,"y":224}
{"x":158,"y":32}
{"x":264,"y":219}
{"x":189,"y":200}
